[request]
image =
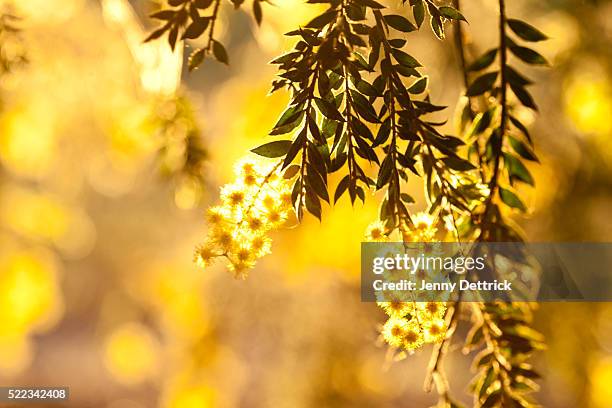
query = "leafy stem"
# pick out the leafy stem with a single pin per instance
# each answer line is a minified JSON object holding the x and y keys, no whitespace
{"x":499,"y":137}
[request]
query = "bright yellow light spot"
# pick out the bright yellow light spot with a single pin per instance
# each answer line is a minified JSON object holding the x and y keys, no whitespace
{"x":175,"y":293}
{"x":27,"y":141}
{"x":601,"y":378}
{"x":33,"y":215}
{"x":45,"y":10}
{"x":187,"y":194}
{"x":192,"y":397}
{"x":588,"y":101}
{"x":29,"y":296}
{"x":43,"y":217}
{"x":131,"y":354}
{"x":341,"y":232}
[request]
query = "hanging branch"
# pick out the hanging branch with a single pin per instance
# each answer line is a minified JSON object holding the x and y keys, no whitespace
{"x":182,"y":21}
{"x":351,"y":105}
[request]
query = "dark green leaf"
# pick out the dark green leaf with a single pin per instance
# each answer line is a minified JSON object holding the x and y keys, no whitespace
{"x":363,"y":107}
{"x":328,"y":109}
{"x":419,"y":86}
{"x":515,"y":78}
{"x":195,"y":59}
{"x":291,"y":171}
{"x":526,"y":31}
{"x":278,"y":148}
{"x":289,"y":116}
{"x":163,"y":15}
{"x":196,"y":28}
{"x":342,"y":186}
{"x":517,"y":170}
{"x":312,"y":204}
{"x":219,"y":52}
{"x":482,"y":84}
{"x":316,"y":182}
{"x":405,"y":59}
{"x":384,"y":173}
{"x":418,"y":11}
{"x":407,"y":198}
{"x":521,"y":127}
{"x":511,"y":199}
{"x":436,"y":26}
{"x":257,"y":11}
{"x":400,"y":23}
{"x":451,"y":13}
{"x":156,"y":34}
{"x":524,"y":96}
{"x":528,"y":55}
{"x":484,"y":61}
{"x":456,"y":163}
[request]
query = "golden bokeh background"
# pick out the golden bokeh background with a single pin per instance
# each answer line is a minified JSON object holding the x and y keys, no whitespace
{"x":98,"y":291}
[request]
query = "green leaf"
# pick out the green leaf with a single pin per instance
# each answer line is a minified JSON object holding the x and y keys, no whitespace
{"x":526,"y":31}
{"x":400,"y":23}
{"x":418,"y":10}
{"x":257,"y":12}
{"x":517,"y":123}
{"x":363,"y":107}
{"x":219,"y":52}
{"x":407,"y":198}
{"x":405,"y":59}
{"x":511,"y":199}
{"x":312,"y":204}
{"x":528,"y":55}
{"x":316,"y":182}
{"x":451,"y":13}
{"x":296,"y":147}
{"x":524,"y":96}
{"x":163,"y":15}
{"x":484,"y":61}
{"x":291,"y":171}
{"x":457,"y":163}
{"x":328,"y":109}
{"x":366,"y":89}
{"x":397,"y":42}
{"x":173,"y":36}
{"x":482,"y":84}
{"x":419,"y":86}
{"x":278,"y":148}
{"x":515,"y":78}
{"x":517,"y":170}
{"x":342,"y":186}
{"x":437,"y":27}
{"x":289,"y":116}
{"x":195,"y":29}
{"x":156,"y":34}
{"x":384,"y":173}
{"x":522,"y":150}
{"x":195,"y":59}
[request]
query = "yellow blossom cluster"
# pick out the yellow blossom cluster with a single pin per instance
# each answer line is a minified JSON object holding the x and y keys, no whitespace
{"x":256,"y":203}
{"x":423,"y":229}
{"x":410,"y":323}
